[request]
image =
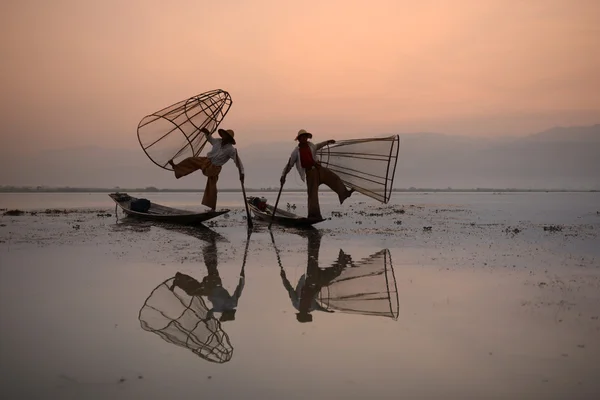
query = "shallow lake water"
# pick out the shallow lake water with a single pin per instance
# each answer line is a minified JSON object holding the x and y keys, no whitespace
{"x":95,"y":305}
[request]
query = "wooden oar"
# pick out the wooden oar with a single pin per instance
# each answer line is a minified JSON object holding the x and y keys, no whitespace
{"x":275,"y":208}
{"x":276,"y":250}
{"x":243,"y":273}
{"x":250,"y":225}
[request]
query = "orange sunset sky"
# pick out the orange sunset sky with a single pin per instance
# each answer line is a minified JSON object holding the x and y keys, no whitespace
{"x":82,"y":72}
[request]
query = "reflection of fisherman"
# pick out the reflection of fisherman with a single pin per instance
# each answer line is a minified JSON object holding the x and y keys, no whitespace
{"x":211,"y":286}
{"x":304,"y":296}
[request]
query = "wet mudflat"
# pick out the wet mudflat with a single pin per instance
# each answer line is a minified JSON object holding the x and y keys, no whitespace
{"x":424,"y":299}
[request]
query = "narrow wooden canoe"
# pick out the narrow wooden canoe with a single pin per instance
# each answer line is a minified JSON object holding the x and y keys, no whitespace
{"x":161,"y":213}
{"x":282,"y":217}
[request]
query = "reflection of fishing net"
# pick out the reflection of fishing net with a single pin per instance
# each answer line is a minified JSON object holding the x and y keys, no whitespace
{"x":173,"y":133}
{"x":368,"y":288}
{"x":367,"y":165}
{"x":184,"y":321}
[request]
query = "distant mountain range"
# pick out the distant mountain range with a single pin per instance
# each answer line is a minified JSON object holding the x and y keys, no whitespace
{"x":559,"y":158}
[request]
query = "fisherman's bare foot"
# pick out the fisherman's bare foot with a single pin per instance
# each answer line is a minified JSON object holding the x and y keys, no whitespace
{"x":177,"y":277}
{"x":348,"y":194}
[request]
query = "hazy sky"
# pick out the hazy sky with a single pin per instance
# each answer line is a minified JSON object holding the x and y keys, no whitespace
{"x":81,"y":72}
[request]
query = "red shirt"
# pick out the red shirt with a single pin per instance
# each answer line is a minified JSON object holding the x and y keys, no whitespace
{"x":306,"y":158}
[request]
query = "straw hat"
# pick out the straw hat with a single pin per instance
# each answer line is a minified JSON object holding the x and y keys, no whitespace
{"x":227,"y":132}
{"x":303,"y":132}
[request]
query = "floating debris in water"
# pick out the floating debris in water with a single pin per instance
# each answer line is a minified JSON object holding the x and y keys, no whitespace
{"x":553,"y":228}
{"x":513,"y":231}
{"x":55,"y":211}
{"x":14,"y":212}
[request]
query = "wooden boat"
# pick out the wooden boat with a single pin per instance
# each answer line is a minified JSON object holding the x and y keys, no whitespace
{"x":282,"y":217}
{"x":160,"y":213}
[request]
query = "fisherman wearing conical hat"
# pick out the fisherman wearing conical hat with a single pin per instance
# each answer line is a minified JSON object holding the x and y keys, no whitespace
{"x":222,"y":151}
{"x":304,"y":156}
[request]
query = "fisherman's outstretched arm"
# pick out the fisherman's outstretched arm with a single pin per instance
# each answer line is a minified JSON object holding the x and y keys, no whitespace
{"x":320,"y":145}
{"x":289,"y":165}
{"x":238,"y":162}
{"x":208,"y":135}
{"x":240,"y":287}
{"x":288,"y":286}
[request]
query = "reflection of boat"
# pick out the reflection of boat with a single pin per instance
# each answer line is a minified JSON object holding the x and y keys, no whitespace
{"x":161,"y":213}
{"x":281,"y":217}
{"x":199,"y":231}
{"x":185,"y":321}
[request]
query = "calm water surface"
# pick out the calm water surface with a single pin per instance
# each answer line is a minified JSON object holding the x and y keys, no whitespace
{"x":535,"y":207}
{"x":119,"y":310}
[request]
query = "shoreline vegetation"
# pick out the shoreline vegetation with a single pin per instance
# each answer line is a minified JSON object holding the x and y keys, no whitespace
{"x":151,"y":189}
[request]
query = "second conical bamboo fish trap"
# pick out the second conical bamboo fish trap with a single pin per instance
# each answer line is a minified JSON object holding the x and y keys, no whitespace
{"x":367,"y":288}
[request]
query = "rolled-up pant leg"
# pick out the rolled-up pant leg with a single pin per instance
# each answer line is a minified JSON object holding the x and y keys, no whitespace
{"x":312,"y":186}
{"x":191,"y":164}
{"x":334,"y":182}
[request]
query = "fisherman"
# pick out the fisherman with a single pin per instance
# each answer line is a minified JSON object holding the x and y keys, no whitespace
{"x":260,"y":203}
{"x":212,"y":286}
{"x":313,"y":173}
{"x":304,"y":296}
{"x":221,"y":152}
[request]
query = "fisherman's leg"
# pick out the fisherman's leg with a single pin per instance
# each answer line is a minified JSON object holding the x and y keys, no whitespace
{"x":312,"y":186}
{"x":334,"y":182}
{"x":210,"y":192}
{"x":330,"y":273}
{"x":327,"y":276}
{"x":210,"y":258}
{"x":188,"y":165}
{"x":188,"y":284}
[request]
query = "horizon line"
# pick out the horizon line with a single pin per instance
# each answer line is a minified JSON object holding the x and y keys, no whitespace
{"x":151,"y":189}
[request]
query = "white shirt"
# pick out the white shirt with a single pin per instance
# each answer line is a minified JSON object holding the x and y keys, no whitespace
{"x":295,"y":297}
{"x":295,"y":159}
{"x":220,"y":154}
{"x":221,"y":299}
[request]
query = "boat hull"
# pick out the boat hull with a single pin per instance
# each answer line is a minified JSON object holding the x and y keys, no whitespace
{"x":281,"y":217}
{"x":160,"y":213}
